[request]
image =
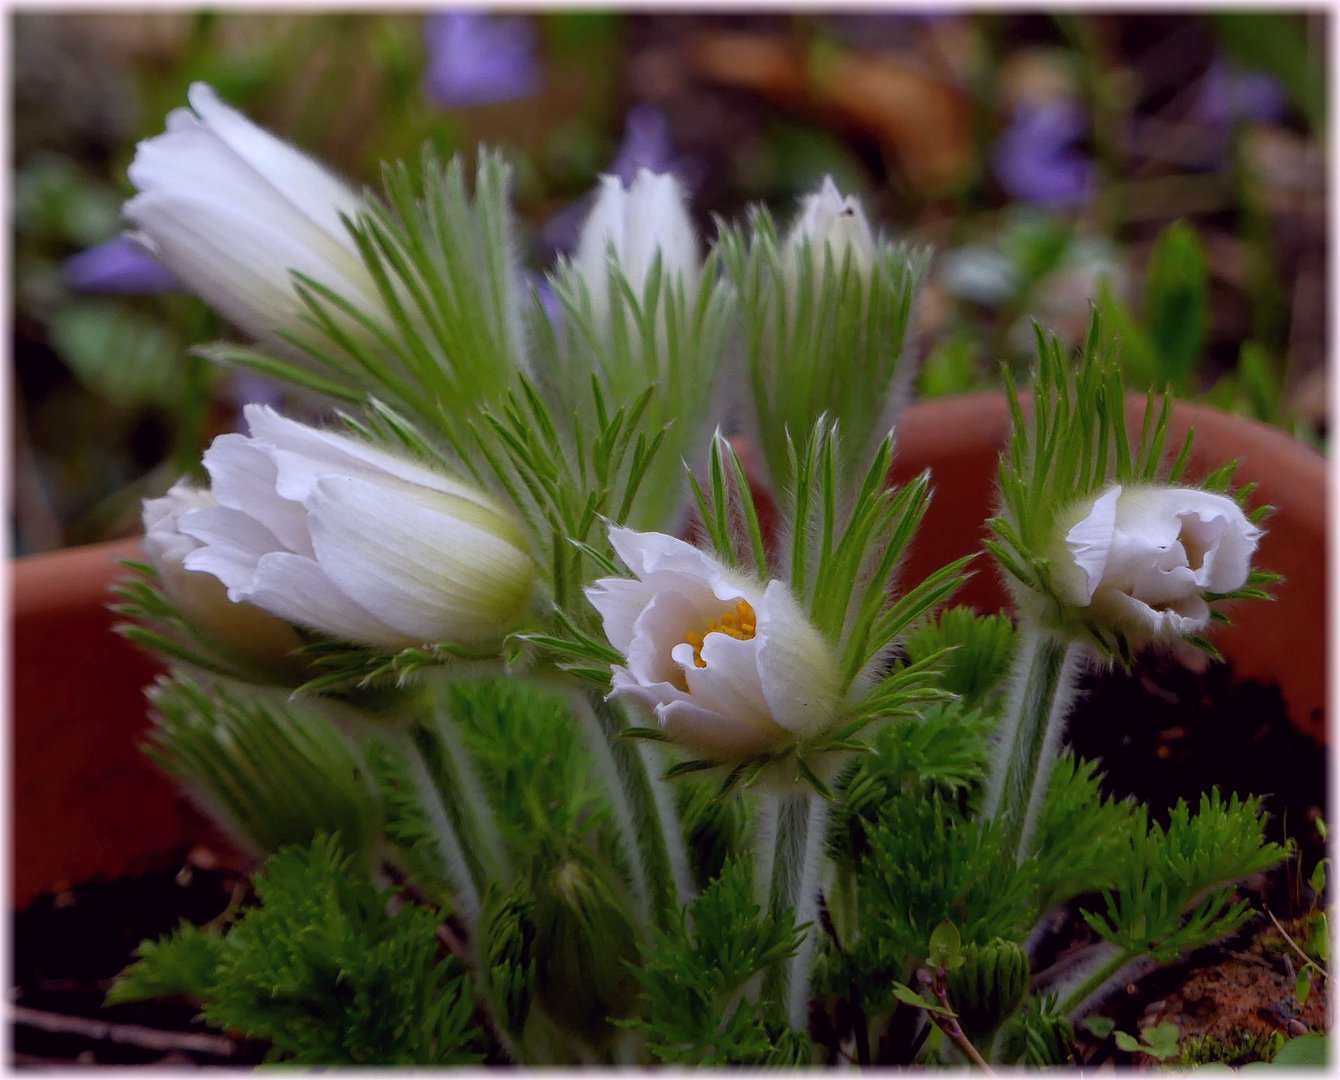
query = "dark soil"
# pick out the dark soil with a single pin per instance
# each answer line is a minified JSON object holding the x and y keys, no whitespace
{"x":68,"y":947}
{"x":1165,"y":733}
{"x":1162,"y":733}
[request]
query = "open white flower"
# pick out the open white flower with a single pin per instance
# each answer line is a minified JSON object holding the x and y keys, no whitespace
{"x":728,"y":666}
{"x":640,"y":222}
{"x":231,"y":210}
{"x":242,"y":628}
{"x":338,"y":536}
{"x":834,"y":223}
{"x":1142,"y":557}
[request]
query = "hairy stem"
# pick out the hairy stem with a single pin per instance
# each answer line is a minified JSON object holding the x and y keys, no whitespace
{"x":466,"y":801}
{"x":649,"y":805}
{"x":599,"y":740}
{"x":449,"y":849}
{"x":793,"y":891}
{"x":1042,"y":691}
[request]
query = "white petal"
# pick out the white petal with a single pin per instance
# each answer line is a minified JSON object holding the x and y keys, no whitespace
{"x":307,"y":453}
{"x":666,"y":562}
{"x":232,"y":544}
{"x":190,"y":161}
{"x":296,"y":589}
{"x":1188,"y":615}
{"x":619,"y":601}
{"x":1223,"y":537}
{"x":711,"y":732}
{"x":729,"y":683}
{"x":240,"y":263}
{"x":164,"y":542}
{"x":403,"y":555}
{"x":1147,"y":529}
{"x":181,"y":119}
{"x":604,"y":227}
{"x":834,"y":223}
{"x":1158,"y":586}
{"x":660,"y":223}
{"x":1089,"y":544}
{"x":308,"y":187}
{"x":243,"y":473}
{"x":661,"y":626}
{"x":626,"y":688}
{"x":648,"y":218}
{"x":795,"y":665}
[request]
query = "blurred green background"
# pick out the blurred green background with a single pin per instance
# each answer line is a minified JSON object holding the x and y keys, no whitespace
{"x":1170,"y":168}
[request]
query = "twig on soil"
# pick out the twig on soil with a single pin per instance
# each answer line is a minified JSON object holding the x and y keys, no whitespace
{"x":129,"y":1034}
{"x":1296,"y":948}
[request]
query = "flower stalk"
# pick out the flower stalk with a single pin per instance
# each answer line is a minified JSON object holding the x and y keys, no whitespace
{"x":1042,"y":693}
{"x":449,"y":848}
{"x":644,"y":808}
{"x":792,"y":852}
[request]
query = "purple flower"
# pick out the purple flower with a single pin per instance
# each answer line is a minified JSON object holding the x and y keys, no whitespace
{"x":1228,"y":96}
{"x":645,"y":145}
{"x":553,"y":309}
{"x":476,"y":59}
{"x":1035,"y":159}
{"x":119,"y":266}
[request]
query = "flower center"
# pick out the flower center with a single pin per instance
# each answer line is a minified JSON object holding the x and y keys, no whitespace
{"x":738,"y":622}
{"x":1199,"y":538}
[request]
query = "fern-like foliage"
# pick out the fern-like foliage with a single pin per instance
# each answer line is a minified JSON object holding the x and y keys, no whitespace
{"x":321,"y":971}
{"x":696,"y":1006}
{"x":942,"y":752}
{"x":1173,"y":888}
{"x":924,"y":866}
{"x":1083,"y":839}
{"x":976,"y":651}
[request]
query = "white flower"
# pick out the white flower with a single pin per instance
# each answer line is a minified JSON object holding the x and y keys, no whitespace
{"x":1141,"y":558}
{"x":640,"y":222}
{"x":833,"y":222}
{"x":201,"y":598}
{"x":338,"y":536}
{"x":728,"y":666}
{"x":231,"y":210}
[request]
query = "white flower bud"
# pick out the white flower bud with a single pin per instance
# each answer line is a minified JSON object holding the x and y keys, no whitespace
{"x":348,"y":540}
{"x":244,"y":630}
{"x":231,"y":210}
{"x":1140,"y":559}
{"x":642,"y":221}
{"x":730,"y":667}
{"x":834,"y":223}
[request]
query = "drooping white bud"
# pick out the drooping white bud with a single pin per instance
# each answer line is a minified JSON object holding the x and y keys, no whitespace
{"x":231,"y":210}
{"x":242,"y":629}
{"x":336,"y":535}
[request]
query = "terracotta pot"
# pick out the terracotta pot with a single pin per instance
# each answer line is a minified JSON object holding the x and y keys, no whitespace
{"x":88,"y":804}
{"x":86,"y":801}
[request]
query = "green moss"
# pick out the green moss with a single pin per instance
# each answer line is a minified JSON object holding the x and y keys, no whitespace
{"x":1242,"y":1048}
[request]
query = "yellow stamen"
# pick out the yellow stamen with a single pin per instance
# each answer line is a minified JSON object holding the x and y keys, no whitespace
{"x":739,"y":622}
